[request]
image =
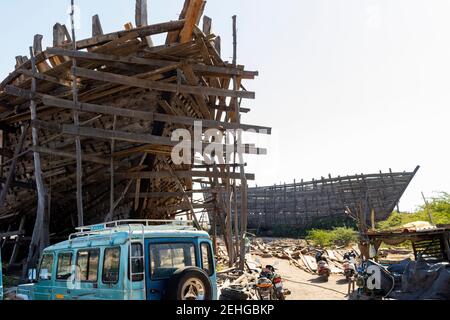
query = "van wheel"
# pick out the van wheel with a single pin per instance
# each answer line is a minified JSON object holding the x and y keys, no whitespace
{"x":189,"y":283}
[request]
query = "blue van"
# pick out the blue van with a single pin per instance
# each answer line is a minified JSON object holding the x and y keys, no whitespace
{"x":127,"y":260}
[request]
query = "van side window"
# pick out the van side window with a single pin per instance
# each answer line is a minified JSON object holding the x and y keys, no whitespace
{"x":137,"y":262}
{"x":167,"y":258}
{"x":64,"y":270}
{"x":46,"y":268}
{"x":111,"y":266}
{"x":207,"y":263}
{"x":87,"y":265}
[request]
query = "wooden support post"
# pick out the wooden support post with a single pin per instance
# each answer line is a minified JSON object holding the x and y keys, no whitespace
{"x":37,"y":44}
{"x":142,"y":19}
{"x":187,"y":199}
{"x":76,"y":120}
{"x":228,"y":223}
{"x":97,"y":29}
{"x":111,"y":209}
{"x":218,"y":45}
{"x":59,"y":35}
{"x":40,"y":237}
{"x":207,"y":25}
{"x":17,"y":242}
{"x":12,"y":168}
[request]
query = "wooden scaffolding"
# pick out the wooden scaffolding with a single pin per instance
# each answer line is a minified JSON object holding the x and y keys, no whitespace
{"x":87,"y":132}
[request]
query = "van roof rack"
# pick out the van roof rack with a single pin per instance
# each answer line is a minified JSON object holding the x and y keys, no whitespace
{"x":131,"y":225}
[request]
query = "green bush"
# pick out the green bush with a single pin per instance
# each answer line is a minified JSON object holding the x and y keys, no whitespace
{"x":340,"y":236}
{"x":438,"y":206}
{"x":344,"y":236}
{"x":322,"y":238}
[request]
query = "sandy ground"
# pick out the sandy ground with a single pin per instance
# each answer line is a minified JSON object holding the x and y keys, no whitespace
{"x":305,"y":286}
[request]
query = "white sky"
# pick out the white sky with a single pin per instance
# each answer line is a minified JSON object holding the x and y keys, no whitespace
{"x":349,"y":86}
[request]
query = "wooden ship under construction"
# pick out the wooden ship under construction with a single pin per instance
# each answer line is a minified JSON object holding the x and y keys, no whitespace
{"x":87,"y":132}
{"x":366,"y":198}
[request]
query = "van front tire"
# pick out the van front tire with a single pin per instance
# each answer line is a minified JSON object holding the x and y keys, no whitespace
{"x":189,"y":283}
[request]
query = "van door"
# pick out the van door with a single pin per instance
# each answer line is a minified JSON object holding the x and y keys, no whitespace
{"x":64,"y":276}
{"x":1,"y":277}
{"x":86,"y":274}
{"x":44,"y":288}
{"x":164,"y":257}
{"x":111,"y":279}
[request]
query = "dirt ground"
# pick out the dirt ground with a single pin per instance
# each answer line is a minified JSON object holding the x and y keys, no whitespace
{"x":305,"y":286}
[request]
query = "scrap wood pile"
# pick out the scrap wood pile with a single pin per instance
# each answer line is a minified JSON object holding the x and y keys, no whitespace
{"x":87,"y":130}
{"x":235,"y":284}
{"x":299,"y":253}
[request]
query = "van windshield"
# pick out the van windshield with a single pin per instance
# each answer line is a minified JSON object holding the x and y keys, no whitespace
{"x":169,"y":257}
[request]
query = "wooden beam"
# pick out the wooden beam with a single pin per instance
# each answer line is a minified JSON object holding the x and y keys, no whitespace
{"x":45,"y":77}
{"x":58,"y":153}
{"x":180,"y":175}
{"x":174,"y":35}
{"x":149,"y":116}
{"x":142,"y":32}
{"x":200,"y":68}
{"x":144,"y":138}
{"x":160,"y":86}
{"x":192,"y":16}
{"x":170,"y":194}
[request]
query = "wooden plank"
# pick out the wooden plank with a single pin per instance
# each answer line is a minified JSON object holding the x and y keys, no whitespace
{"x":160,"y":86}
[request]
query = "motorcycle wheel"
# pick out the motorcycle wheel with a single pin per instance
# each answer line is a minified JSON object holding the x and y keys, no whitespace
{"x":280,"y":296}
{"x":264,"y":296}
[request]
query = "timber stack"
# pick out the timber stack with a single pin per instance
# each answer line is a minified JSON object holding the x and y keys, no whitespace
{"x":87,"y":132}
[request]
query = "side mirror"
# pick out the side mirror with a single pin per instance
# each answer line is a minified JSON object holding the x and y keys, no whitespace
{"x":32,"y":275}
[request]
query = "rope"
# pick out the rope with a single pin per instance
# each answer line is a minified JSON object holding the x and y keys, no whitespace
{"x":315,"y":285}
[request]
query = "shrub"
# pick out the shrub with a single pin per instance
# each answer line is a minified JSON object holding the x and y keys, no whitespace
{"x":438,"y":206}
{"x":340,"y":236}
{"x":344,"y":236}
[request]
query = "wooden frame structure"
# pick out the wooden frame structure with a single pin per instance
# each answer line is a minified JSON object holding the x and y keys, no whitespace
{"x":306,"y":204}
{"x":102,"y":112}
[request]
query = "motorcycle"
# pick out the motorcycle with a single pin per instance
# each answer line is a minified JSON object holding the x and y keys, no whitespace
{"x":349,"y":265}
{"x":269,"y":285}
{"x":349,"y":270}
{"x":323,"y":269}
